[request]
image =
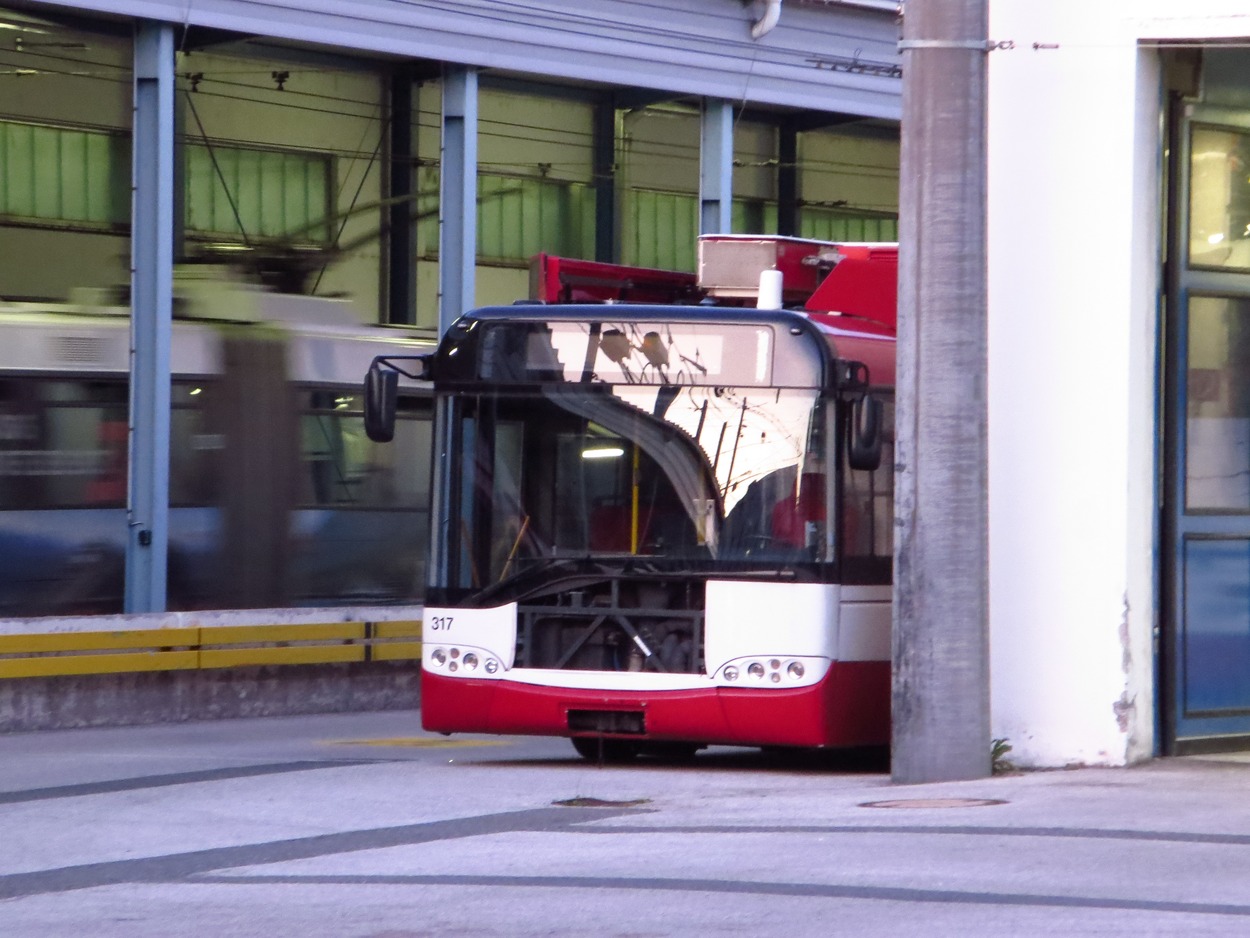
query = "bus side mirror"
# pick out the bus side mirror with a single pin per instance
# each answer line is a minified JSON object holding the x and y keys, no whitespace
{"x":381,"y":400}
{"x":864,"y":437}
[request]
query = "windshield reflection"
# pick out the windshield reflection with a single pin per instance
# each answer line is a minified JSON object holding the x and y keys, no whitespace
{"x":629,"y":475}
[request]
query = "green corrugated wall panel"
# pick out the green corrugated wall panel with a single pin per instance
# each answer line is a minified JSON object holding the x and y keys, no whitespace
{"x":293,"y":185}
{"x":499,"y":199}
{"x":271,"y":195}
{"x":533,"y":228}
{"x":19,"y":173}
{"x":72,"y":164}
{"x":274,"y":193}
{"x":586,"y":237}
{"x":117,"y":170}
{"x":61,"y":174}
{"x":518,"y":217}
{"x":665,"y":229}
{"x":200,"y":187}
{"x":427,"y":216}
{"x":754,"y":217}
{"x":834,"y":225}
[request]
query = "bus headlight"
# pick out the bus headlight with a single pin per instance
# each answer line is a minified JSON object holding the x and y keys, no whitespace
{"x":774,"y":672}
{"x":462,"y":661}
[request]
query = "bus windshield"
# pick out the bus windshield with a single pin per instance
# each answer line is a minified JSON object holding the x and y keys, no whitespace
{"x":671,"y":477}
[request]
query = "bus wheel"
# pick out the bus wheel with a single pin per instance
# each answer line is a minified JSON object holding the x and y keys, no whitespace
{"x":604,"y":750}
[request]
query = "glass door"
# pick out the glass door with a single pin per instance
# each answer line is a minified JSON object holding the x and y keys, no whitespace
{"x":1206,"y":657}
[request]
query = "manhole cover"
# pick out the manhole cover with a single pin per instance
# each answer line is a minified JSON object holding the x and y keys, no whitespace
{"x":599,"y":803}
{"x":933,"y":803}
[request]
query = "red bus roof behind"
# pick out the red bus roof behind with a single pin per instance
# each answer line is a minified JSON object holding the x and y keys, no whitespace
{"x":863,"y":284}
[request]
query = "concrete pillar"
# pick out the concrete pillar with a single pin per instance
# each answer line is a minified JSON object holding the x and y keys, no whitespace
{"x":941,"y":690}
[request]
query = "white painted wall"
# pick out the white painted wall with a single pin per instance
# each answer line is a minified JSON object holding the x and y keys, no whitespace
{"x":1074,"y":227}
{"x":1075,"y":224}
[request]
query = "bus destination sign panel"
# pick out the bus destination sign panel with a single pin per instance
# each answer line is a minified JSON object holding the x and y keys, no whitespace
{"x":622,"y":352}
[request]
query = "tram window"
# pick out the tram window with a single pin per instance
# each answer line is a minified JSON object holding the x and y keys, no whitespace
{"x":194,"y":450}
{"x":62,"y":443}
{"x":342,"y":467}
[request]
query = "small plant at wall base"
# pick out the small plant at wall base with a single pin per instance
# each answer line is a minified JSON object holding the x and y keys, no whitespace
{"x":999,"y":763}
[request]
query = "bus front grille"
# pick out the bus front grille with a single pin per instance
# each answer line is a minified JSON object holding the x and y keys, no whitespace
{"x":626,"y":722}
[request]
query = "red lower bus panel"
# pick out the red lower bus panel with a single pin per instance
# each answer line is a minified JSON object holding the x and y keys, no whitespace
{"x":850,"y":707}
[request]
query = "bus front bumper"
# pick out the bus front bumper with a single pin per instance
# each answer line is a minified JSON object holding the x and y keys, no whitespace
{"x":849,"y":707}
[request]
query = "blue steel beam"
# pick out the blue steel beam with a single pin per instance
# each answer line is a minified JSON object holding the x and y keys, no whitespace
{"x":151,"y":286}
{"x":716,"y":153}
{"x":402,"y":236}
{"x":457,"y":247}
{"x":603,"y":148}
{"x":787,"y":178}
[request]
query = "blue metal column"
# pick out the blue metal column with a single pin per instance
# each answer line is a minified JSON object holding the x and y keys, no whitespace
{"x":603,"y":153}
{"x":716,"y":168}
{"x":151,"y":287}
{"x":457,"y":235}
{"x":401,"y":294}
{"x":788,"y":177}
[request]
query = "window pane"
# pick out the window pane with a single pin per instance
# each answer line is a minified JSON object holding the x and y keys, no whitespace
{"x":1219,"y":200}
{"x":343,"y":467}
{"x":1217,"y":451}
{"x":868,"y":509}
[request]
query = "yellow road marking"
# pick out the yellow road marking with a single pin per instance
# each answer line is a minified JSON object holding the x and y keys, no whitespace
{"x":428,"y":742}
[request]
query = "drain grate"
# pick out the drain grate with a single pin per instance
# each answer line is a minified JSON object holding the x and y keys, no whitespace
{"x":934,"y":803}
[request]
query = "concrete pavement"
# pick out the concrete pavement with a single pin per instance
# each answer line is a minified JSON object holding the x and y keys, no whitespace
{"x":362,"y":825}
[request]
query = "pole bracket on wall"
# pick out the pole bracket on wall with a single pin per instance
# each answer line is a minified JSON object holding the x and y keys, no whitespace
{"x":977,"y":45}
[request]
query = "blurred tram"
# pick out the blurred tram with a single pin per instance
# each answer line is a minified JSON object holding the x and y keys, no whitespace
{"x":277,"y":497}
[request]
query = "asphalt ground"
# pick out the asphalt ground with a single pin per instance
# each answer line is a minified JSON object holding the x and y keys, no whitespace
{"x":362,"y":825}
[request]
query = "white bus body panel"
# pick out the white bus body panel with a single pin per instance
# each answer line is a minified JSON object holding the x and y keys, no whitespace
{"x":864,"y":623}
{"x":840,"y":623}
{"x":781,"y":619}
{"x":491,"y":630}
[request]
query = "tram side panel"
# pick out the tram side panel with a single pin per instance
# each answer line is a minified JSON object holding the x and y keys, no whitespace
{"x":277,"y":498}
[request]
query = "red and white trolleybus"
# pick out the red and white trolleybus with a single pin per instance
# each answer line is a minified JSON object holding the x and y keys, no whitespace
{"x":659,"y":525}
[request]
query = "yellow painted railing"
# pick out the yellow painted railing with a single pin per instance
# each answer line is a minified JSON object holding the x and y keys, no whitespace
{"x":47,"y":654}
